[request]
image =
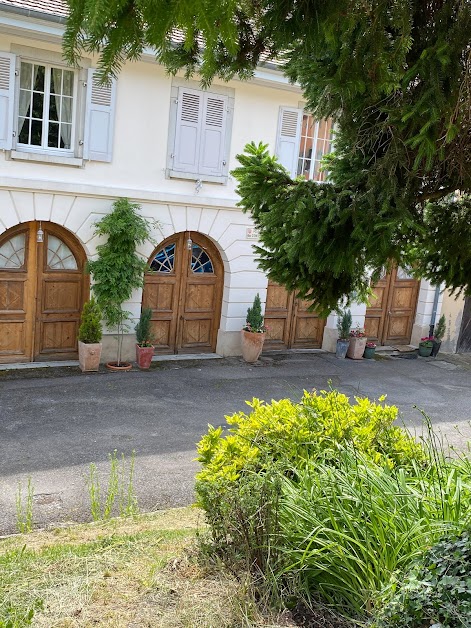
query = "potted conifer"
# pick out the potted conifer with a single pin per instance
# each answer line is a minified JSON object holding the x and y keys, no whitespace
{"x":89,"y":336}
{"x":344,"y":324}
{"x":253,"y":332}
{"x":144,"y":339}
{"x":438,"y":334}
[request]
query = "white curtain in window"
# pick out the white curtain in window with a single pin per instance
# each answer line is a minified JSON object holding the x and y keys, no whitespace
{"x":64,"y":114}
{"x":25,"y":97}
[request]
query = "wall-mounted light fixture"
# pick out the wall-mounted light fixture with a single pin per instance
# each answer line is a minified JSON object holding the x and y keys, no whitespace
{"x":40,"y":234}
{"x":189,"y":242}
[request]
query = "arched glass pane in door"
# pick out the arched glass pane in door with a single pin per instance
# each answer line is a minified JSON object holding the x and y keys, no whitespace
{"x":164,"y":260}
{"x":200,"y":260}
{"x":12,"y":252}
{"x":59,"y":256}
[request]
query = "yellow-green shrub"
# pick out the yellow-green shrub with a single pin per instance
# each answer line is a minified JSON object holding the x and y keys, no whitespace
{"x":294,"y":432}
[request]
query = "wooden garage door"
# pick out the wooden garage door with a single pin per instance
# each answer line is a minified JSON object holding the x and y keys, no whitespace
{"x":184,"y":290}
{"x":391,"y":309}
{"x":290,"y":324}
{"x":42,"y":290}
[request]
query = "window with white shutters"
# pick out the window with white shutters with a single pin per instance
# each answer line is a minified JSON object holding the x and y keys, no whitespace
{"x":49,"y":109}
{"x":302,"y":142}
{"x":199,"y":134}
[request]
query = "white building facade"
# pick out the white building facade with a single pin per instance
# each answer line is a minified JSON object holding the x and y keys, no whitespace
{"x":69,"y":148}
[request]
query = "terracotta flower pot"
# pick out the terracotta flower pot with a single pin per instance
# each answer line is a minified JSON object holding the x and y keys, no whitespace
{"x":252,"y":345}
{"x":342,"y":347}
{"x":89,"y":356}
{"x":356,"y":348}
{"x":144,"y":356}
{"x":122,"y":366}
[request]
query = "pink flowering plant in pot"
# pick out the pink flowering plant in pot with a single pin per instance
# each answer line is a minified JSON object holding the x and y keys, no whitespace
{"x":253,"y":332}
{"x":370,"y":349}
{"x":357,"y":344}
{"x":426,"y":346}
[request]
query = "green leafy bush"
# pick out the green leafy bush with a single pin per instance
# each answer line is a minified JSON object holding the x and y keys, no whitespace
{"x":295,"y":432}
{"x":90,"y":330}
{"x":437,"y":590}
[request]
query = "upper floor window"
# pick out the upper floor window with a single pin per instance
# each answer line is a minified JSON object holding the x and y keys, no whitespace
{"x":302,"y":142}
{"x":53,"y":113}
{"x":46,"y":107}
{"x":199,"y":133}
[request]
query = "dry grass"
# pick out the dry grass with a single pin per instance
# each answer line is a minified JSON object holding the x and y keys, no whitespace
{"x":123,"y":573}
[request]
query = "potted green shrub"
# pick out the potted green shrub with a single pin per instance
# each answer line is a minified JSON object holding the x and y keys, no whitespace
{"x":118,"y":269}
{"x":144,"y":339}
{"x":89,"y":336}
{"x":370,"y":349}
{"x":357,"y":343}
{"x":344,"y":324}
{"x":426,"y":346}
{"x":438,"y":334}
{"x":253,"y":332}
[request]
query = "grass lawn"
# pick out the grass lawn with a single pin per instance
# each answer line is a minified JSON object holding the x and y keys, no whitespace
{"x":125,"y":572}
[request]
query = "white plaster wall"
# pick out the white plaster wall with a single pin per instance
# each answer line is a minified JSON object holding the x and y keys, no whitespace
{"x":452,"y":308}
{"x":423,"y":315}
{"x":141,"y":137}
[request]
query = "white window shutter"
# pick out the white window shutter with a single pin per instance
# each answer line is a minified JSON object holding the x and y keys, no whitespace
{"x":99,"y":119}
{"x":288,"y":139}
{"x":213,"y":135}
{"x":7,"y":99}
{"x":188,"y":130}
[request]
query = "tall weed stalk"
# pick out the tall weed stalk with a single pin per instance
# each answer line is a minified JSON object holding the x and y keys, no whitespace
{"x":24,"y":507}
{"x":120,"y":498}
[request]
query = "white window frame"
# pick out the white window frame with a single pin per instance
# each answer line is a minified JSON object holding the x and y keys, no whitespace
{"x":306,"y":112}
{"x":74,"y":156}
{"x":44,"y":149}
{"x":219,"y":90}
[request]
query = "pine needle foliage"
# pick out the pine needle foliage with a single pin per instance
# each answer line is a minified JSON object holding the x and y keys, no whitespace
{"x":395,"y":77}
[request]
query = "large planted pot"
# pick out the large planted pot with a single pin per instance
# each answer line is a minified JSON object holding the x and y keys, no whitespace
{"x":144,"y":356}
{"x":436,"y":348}
{"x":252,"y":345}
{"x":356,"y":348}
{"x":425,"y":350}
{"x":342,"y":347}
{"x":89,"y":356}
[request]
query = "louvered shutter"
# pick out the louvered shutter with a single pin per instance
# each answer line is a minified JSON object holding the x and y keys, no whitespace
{"x":99,"y":119}
{"x":213,"y":135}
{"x":188,"y":130}
{"x":289,"y":134}
{"x":7,"y":99}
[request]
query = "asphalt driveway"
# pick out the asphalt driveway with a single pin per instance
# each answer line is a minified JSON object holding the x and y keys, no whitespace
{"x":53,"y":424}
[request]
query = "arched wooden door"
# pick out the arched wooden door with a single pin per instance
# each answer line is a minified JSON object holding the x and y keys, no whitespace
{"x":290,"y":324}
{"x":42,"y":290}
{"x":184,"y":290}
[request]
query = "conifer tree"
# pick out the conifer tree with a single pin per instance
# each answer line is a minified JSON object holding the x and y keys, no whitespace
{"x":395,"y":76}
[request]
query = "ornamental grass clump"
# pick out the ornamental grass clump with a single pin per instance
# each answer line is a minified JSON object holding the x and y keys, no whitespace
{"x":348,"y":530}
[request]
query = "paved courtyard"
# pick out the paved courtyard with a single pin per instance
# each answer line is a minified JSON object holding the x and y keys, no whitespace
{"x":54,"y":423}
